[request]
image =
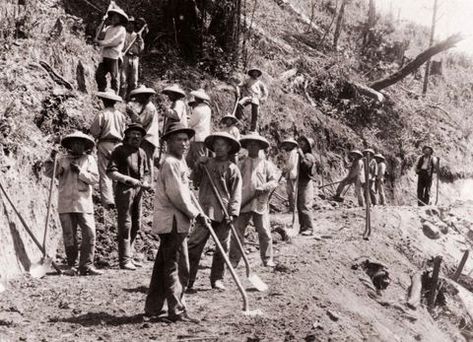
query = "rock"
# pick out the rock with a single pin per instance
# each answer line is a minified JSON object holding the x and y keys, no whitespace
{"x":430,"y":231}
{"x":333,"y":316}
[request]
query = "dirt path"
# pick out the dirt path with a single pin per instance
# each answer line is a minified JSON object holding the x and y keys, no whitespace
{"x":314,"y":295}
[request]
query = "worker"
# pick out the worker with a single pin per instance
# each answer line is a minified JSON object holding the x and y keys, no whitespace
{"x":227,"y":179}
{"x":305,"y":184}
{"x":77,"y":174}
{"x":129,"y":168}
{"x":174,"y":214}
{"x":142,"y":110}
{"x":230,"y":125}
{"x":112,"y":41}
{"x":372,"y":174}
{"x":289,"y":151}
{"x":355,"y":176}
{"x":425,"y":169}
{"x":199,"y":121}
{"x":107,"y":129}
{"x":251,"y":91}
{"x":381,"y":167}
{"x":259,"y":179}
{"x":133,"y":47}
{"x":178,"y":110}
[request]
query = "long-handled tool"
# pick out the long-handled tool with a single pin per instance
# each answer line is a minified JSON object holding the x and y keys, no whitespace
{"x":367,"y":232}
{"x":104,"y":18}
{"x":438,"y":181}
{"x":40,"y":269}
{"x":227,"y":261}
{"x":48,"y":212}
{"x":139,"y":33}
{"x":254,"y":279}
{"x":329,"y":184}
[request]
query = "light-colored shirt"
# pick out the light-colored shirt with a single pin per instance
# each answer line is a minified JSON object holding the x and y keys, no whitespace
{"x":200,"y":121}
{"x":257,"y":174}
{"x":233,"y":131}
{"x":290,"y":164}
{"x":173,"y":197}
{"x":254,"y":88}
{"x":138,"y":44}
{"x":357,"y":171}
{"x":108,"y":125}
{"x":227,"y":179}
{"x":177,"y":113}
{"x":75,"y":188}
{"x":373,"y":169}
{"x":113,"y":41}
{"x":381,"y":170}
{"x":148,"y":118}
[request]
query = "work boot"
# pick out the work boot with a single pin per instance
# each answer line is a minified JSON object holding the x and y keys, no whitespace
{"x":124,"y":255}
{"x":218,"y":285}
{"x":90,"y":271}
{"x":129,"y":266}
{"x":71,"y":255}
{"x":183,"y":317}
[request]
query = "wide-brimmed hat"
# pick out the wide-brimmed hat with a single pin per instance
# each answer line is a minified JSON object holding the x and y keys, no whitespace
{"x":379,"y":156}
{"x":142,"y":89}
{"x":174,"y":89}
{"x":109,"y":95}
{"x":135,"y":127}
{"x":200,"y":94}
{"x":78,"y":135}
{"x":255,"y":69}
{"x":429,"y":147}
{"x":289,"y":143}
{"x":246,"y":139}
{"x":309,"y":141}
{"x":120,"y":12}
{"x":356,"y":152}
{"x":230,"y":117}
{"x":175,"y":128}
{"x":368,"y":150}
{"x":235,"y":145}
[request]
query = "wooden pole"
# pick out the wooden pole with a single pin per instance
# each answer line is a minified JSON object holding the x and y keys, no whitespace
{"x":461,"y":265}
{"x":434,"y":282}
{"x":431,"y":41}
{"x":438,"y":182}
{"x":367,"y":231}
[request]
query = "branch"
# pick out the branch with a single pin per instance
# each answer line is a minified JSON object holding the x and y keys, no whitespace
{"x":417,"y":62}
{"x":55,"y":76}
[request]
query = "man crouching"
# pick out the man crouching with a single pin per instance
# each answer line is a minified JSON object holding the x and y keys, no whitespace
{"x":173,"y":215}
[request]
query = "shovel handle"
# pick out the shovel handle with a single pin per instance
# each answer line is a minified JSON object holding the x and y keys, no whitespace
{"x":48,"y":212}
{"x":28,"y":230}
{"x":224,"y":255}
{"x":225,"y":212}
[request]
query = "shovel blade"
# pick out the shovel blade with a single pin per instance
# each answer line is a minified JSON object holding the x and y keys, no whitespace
{"x":256,"y":281}
{"x":41,"y":269}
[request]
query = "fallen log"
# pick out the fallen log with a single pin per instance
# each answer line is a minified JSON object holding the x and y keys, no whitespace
{"x":434,"y":283}
{"x":55,"y":76}
{"x":370,"y":92}
{"x":461,"y":265}
{"x":413,"y":301}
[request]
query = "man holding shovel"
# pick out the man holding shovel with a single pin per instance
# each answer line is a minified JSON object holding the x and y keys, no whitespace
{"x":129,"y":168}
{"x":77,"y":173}
{"x":227,"y":179}
{"x":355,"y":176}
{"x":174,"y":213}
{"x":305,"y":186}
{"x":259,"y":179}
{"x":254,"y":92}
{"x":133,"y":47}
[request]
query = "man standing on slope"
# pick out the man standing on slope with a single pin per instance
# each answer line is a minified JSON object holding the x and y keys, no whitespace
{"x":178,"y":110}
{"x":425,"y":169}
{"x":129,"y":168}
{"x":134,"y":45}
{"x":107,"y":129}
{"x":355,"y":176}
{"x":380,"y":177}
{"x":372,"y":174}
{"x":77,"y":173}
{"x":289,"y":171}
{"x":305,"y":185}
{"x":200,"y":122}
{"x":172,"y":220}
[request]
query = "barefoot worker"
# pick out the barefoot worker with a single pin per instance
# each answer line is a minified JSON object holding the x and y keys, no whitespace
{"x":77,"y":173}
{"x":107,"y":129}
{"x":227,"y":179}
{"x":259,"y":179}
{"x":129,"y":168}
{"x":174,"y":213}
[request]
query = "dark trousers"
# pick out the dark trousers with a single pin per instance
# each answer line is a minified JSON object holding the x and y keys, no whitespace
{"x":170,"y":275}
{"x":107,"y":66}
{"x":424,"y":182}
{"x":128,"y":202}
{"x":254,"y":112}
{"x":305,"y":198}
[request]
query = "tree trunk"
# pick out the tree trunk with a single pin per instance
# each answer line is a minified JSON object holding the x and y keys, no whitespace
{"x":431,"y":41}
{"x":417,"y":62}
{"x":339,"y":25}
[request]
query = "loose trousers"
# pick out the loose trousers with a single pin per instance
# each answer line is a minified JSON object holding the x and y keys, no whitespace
{"x":197,"y":240}
{"x":104,"y":152}
{"x":262,"y":226}
{"x":170,"y":275}
{"x":129,"y":75}
{"x":424,"y":183}
{"x":254,"y":111}
{"x":150,"y":151}
{"x":371,"y":192}
{"x":305,"y":197}
{"x":128,"y":201}
{"x":358,"y":189}
{"x":107,"y":66}
{"x":86,"y":222}
{"x":290,"y":188}
{"x":381,"y":193}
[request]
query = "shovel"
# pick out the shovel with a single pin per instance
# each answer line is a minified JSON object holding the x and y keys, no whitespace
{"x":254,"y":279}
{"x":227,"y":261}
{"x":40,"y":270}
{"x":48,"y":212}
{"x":367,"y":232}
